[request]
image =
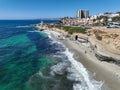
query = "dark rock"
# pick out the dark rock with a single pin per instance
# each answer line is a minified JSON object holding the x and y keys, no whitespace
{"x":107,"y":59}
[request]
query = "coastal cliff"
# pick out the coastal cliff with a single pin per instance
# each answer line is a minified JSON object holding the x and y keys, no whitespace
{"x":102,"y":56}
{"x":108,"y":39}
{"x":105,"y":44}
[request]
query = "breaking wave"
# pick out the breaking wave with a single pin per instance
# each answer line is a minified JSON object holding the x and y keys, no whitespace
{"x":76,"y":73}
{"x":22,"y":26}
{"x":73,"y":70}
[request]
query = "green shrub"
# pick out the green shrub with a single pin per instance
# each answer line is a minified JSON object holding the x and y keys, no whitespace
{"x":72,"y":30}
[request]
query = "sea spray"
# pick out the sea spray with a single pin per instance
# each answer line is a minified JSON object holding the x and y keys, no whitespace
{"x":78,"y":73}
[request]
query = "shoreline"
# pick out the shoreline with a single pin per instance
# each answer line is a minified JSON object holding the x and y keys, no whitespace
{"x":94,"y":84}
{"x":100,"y":69}
{"x":106,"y":72}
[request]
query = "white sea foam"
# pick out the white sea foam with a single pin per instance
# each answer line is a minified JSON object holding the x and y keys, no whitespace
{"x":76,"y":72}
{"x":59,"y":69}
{"x":48,"y":33}
{"x":22,"y":26}
{"x":34,"y":31}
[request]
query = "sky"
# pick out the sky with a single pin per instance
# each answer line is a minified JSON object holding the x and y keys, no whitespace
{"x":35,"y":9}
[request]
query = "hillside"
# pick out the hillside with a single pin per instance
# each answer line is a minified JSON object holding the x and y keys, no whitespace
{"x":106,"y":39}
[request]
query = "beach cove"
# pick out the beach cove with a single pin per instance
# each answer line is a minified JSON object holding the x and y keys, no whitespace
{"x":109,"y":73}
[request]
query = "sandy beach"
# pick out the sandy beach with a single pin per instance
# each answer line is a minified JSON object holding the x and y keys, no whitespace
{"x":108,"y":73}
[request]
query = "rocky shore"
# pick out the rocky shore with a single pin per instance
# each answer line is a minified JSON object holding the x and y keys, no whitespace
{"x":107,"y":59}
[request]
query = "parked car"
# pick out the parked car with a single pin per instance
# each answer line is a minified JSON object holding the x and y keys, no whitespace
{"x":113,"y":26}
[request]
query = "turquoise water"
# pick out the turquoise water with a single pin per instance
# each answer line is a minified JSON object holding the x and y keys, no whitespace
{"x":24,"y":54}
{"x":18,"y":40}
{"x":21,"y":64}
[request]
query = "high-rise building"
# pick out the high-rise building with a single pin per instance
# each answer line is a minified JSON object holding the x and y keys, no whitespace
{"x":82,"y":14}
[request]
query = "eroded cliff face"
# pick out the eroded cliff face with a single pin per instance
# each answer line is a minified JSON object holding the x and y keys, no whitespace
{"x":108,"y":39}
{"x":105,"y":43}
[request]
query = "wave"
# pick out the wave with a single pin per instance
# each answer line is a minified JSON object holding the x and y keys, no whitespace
{"x":76,"y":73}
{"x":74,"y":70}
{"x":34,"y":31}
{"x":49,"y":35}
{"x":22,"y":26}
{"x":53,"y":40}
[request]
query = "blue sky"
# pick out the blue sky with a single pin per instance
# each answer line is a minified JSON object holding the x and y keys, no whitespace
{"x":32,"y":9}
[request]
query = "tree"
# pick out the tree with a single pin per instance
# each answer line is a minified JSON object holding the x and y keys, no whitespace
{"x":94,"y":20}
{"x":116,"y":19}
{"x":105,"y":20}
{"x":107,"y":13}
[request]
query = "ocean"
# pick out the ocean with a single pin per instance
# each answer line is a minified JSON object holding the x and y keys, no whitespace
{"x":32,"y":60}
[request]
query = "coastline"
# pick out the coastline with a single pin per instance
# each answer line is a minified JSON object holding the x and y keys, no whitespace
{"x":104,"y":71}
